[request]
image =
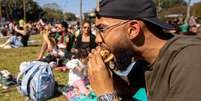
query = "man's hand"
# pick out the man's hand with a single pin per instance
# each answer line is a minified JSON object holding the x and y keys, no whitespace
{"x":99,"y":76}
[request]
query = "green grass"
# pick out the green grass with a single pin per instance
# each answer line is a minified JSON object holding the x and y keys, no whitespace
{"x":10,"y":59}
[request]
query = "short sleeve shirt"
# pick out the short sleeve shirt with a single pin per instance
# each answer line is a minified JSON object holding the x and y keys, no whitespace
{"x":176,"y":73}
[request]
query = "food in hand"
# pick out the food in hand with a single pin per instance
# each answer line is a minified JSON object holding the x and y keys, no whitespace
{"x":108,"y":58}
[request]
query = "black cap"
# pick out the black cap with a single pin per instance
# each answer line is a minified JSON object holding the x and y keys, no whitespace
{"x":131,"y":9}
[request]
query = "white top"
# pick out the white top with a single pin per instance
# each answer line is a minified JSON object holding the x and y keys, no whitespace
{"x":74,"y":75}
{"x":57,"y":51}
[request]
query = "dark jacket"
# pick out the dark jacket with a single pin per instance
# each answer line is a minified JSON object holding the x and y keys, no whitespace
{"x":92,"y":43}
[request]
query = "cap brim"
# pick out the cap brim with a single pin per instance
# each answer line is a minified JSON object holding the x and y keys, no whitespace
{"x":159,"y":23}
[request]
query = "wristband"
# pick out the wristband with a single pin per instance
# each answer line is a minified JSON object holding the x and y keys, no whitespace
{"x":107,"y":97}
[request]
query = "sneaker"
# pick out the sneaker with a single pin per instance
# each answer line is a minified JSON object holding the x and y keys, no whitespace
{"x":5,"y":73}
{"x":1,"y":46}
{"x":3,"y":83}
{"x":5,"y":87}
{"x":6,"y":80}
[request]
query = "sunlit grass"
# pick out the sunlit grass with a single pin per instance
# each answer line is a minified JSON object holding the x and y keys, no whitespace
{"x":10,"y":59}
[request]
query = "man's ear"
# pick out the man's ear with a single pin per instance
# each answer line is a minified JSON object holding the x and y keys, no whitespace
{"x":134,"y":29}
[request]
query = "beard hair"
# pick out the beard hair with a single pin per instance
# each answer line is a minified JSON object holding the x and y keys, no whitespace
{"x":123,"y":58}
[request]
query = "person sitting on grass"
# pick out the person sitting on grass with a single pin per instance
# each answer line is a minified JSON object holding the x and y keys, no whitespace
{"x":49,"y":44}
{"x":78,"y":67}
{"x":20,"y":39}
{"x":77,"y":76}
{"x":55,"y":39}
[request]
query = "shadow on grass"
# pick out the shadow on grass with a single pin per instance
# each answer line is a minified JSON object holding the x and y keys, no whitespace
{"x":10,"y":89}
{"x":36,"y":45}
{"x":57,"y":93}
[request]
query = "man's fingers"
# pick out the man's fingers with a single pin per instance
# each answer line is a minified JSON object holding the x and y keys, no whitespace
{"x":91,"y":67}
{"x":89,"y":64}
{"x":98,"y":48}
{"x":99,"y":59}
{"x":93,"y":51}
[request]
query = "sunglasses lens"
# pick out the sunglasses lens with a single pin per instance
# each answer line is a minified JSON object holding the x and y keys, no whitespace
{"x":86,"y":27}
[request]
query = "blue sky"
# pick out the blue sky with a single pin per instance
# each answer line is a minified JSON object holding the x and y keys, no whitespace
{"x":195,"y":0}
{"x":73,"y":5}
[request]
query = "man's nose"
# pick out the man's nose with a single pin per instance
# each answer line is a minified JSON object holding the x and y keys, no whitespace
{"x":98,"y":38}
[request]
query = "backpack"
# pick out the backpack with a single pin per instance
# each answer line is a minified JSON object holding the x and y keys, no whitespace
{"x":37,"y":80}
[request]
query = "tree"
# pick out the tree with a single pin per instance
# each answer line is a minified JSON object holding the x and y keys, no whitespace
{"x":163,"y":5}
{"x":54,"y":14}
{"x":196,"y":9}
{"x":33,"y":10}
{"x":13,"y":9}
{"x":69,"y":16}
{"x":54,"y":6}
{"x":177,"y":9}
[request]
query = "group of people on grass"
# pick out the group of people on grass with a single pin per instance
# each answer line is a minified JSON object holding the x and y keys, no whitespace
{"x":67,"y":48}
{"x":61,"y":44}
{"x":19,"y":38}
{"x":166,"y":65}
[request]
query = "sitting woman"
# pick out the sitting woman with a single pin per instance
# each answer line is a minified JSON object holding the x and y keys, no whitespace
{"x":48,"y":42}
{"x":19,"y":40}
{"x":54,"y":55}
{"x":53,"y":37}
{"x":85,"y":40}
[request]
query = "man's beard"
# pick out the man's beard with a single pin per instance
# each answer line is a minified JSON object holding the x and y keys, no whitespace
{"x":123,"y":58}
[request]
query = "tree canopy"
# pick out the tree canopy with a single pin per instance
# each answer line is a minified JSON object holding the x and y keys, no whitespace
{"x":53,"y":13}
{"x":163,"y":5}
{"x":14,"y":9}
{"x":196,"y":9}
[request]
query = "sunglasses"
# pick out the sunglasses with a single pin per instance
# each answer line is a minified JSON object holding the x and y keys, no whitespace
{"x":104,"y":28}
{"x":101,"y":29}
{"x":86,"y":27}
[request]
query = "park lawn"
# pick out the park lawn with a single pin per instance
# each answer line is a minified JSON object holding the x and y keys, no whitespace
{"x":10,"y":59}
